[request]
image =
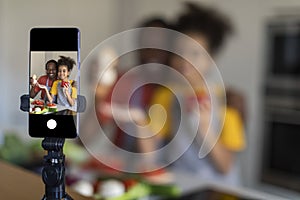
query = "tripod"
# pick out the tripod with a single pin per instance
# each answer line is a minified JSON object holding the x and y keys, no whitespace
{"x":53,"y":173}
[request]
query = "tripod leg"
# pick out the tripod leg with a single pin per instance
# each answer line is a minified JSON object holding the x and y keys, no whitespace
{"x":68,"y":197}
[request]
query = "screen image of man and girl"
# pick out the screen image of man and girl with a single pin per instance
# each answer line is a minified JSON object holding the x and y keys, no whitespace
{"x":53,"y":84}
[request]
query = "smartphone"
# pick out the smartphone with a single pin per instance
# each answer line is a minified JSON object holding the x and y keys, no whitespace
{"x":54,"y":80}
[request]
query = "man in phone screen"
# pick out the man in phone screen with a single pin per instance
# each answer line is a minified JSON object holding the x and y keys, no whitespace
{"x":45,"y":80}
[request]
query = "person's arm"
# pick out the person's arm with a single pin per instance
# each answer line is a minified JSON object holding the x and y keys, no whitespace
{"x":34,"y":87}
{"x":221,"y":157}
{"x":32,"y":92}
{"x":71,"y":97}
{"x":49,"y":96}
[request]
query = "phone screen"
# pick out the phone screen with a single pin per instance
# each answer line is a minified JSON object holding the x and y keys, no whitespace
{"x":54,"y":82}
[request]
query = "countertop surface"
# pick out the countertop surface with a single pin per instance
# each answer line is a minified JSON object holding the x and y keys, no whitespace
{"x":17,"y":183}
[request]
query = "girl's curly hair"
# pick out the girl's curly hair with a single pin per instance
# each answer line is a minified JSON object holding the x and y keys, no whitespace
{"x":206,"y":21}
{"x":67,"y":61}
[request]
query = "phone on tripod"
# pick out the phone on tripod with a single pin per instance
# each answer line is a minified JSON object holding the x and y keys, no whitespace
{"x":54,"y":80}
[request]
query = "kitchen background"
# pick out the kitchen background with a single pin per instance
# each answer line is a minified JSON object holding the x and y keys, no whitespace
{"x":243,"y":63}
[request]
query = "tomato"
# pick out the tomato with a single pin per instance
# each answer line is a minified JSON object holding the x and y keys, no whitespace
{"x":51,"y":104}
{"x":64,"y":84}
{"x":38,"y":102}
{"x":156,"y":172}
{"x":129,"y":183}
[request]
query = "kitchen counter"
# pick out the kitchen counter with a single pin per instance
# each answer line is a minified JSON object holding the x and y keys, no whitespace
{"x":18,"y":183}
{"x":192,"y":184}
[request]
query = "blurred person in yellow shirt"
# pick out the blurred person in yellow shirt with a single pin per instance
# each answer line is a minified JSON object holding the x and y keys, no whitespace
{"x":208,"y":28}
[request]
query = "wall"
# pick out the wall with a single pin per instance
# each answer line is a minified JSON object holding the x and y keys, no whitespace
{"x":2,"y":111}
{"x":241,"y":64}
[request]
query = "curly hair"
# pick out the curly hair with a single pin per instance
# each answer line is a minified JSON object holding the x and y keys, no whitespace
{"x":51,"y":61}
{"x":206,"y":21}
{"x":67,"y":61}
{"x":154,"y":22}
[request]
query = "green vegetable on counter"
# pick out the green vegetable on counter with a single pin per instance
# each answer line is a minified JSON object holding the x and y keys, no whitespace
{"x":15,"y":150}
{"x":144,"y":189}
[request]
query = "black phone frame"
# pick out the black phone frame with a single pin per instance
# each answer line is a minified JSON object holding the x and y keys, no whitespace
{"x":54,"y":39}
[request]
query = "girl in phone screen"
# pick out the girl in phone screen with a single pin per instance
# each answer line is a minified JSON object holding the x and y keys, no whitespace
{"x":64,"y":91}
